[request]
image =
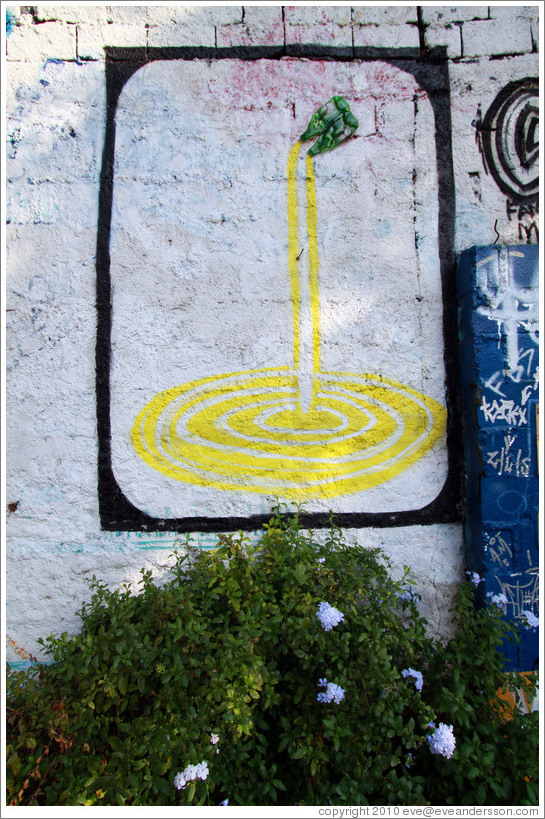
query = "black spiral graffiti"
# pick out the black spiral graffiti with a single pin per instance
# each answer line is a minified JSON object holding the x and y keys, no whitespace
{"x":510,"y":140}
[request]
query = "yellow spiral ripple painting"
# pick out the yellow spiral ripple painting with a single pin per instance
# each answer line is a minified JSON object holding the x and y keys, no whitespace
{"x":296,"y":432}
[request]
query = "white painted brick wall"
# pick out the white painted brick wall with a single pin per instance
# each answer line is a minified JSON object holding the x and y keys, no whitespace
{"x":443,"y":15}
{"x":384,"y":14}
{"x":262,"y":16}
{"x":136,"y":14}
{"x":449,"y":35}
{"x":55,"y":111}
{"x":75,"y":13}
{"x":514,"y":10}
{"x":241,"y":34}
{"x":318,"y":25}
{"x":93,"y":37}
{"x":53,"y":41}
{"x":193,"y":32}
{"x":496,"y":37}
{"x":259,"y":25}
{"x":310,"y":15}
{"x":387,"y":36}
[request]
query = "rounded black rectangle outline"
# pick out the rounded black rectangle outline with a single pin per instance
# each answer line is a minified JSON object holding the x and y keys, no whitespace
{"x":116,"y":512}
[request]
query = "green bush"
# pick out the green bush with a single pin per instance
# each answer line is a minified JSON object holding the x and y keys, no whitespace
{"x":228,"y":664}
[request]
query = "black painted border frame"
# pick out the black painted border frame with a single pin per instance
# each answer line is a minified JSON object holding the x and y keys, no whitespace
{"x":116,"y":512}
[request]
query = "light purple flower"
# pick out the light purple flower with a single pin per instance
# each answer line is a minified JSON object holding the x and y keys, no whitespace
{"x":199,"y":771}
{"x":333,"y":693}
{"x":407,"y":595}
{"x":329,"y":616}
{"x":225,"y":802}
{"x":475,"y":578}
{"x":531,"y":620}
{"x":497,"y":599}
{"x":418,"y":678}
{"x":442,"y":741}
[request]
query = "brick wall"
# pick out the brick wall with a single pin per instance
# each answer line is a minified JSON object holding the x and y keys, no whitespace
{"x":433,"y":187}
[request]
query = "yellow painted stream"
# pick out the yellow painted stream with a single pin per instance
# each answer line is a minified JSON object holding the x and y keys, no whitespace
{"x":296,"y":432}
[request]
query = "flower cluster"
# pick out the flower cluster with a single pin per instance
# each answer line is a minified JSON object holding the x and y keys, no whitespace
{"x":333,"y":693}
{"x":189,"y":773}
{"x":329,"y":616}
{"x":531,"y":621}
{"x":498,"y":599}
{"x":442,"y":741}
{"x":475,"y":578}
{"x":407,"y":595}
{"x":418,"y":678}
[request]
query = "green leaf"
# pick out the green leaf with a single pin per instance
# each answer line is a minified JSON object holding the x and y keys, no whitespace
{"x":299,"y":753}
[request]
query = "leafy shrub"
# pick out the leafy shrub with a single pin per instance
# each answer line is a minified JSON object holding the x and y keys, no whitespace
{"x":224,"y":683}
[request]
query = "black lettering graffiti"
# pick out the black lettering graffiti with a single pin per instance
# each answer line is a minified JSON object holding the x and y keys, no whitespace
{"x":508,"y":139}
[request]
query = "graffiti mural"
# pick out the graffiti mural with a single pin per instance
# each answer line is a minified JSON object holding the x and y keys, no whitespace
{"x":293,"y":392}
{"x":499,"y":314}
{"x":508,"y":138}
{"x":299,"y":432}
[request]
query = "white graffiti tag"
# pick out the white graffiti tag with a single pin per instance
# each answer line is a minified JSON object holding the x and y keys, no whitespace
{"x":522,"y":370}
{"x":508,"y":305}
{"x":504,"y":411}
{"x":509,"y":461}
{"x":500,"y":550}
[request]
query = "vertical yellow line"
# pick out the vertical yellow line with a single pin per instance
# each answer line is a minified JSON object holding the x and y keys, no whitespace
{"x":312,"y":217}
{"x":293,"y":247}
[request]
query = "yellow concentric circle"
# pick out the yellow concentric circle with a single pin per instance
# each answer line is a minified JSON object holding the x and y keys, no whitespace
{"x":245,"y":431}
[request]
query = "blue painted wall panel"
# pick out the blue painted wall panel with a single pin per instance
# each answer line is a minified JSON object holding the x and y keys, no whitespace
{"x":498,"y":292}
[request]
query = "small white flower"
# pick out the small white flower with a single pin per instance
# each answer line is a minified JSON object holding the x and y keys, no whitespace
{"x":214,"y":739}
{"x":475,"y":578}
{"x":531,"y":620}
{"x":225,"y":802}
{"x":442,"y":741}
{"x":333,"y":693}
{"x":418,"y":678}
{"x":190,"y":772}
{"x":329,"y":616}
{"x":497,"y":599}
{"x":179,"y":781}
